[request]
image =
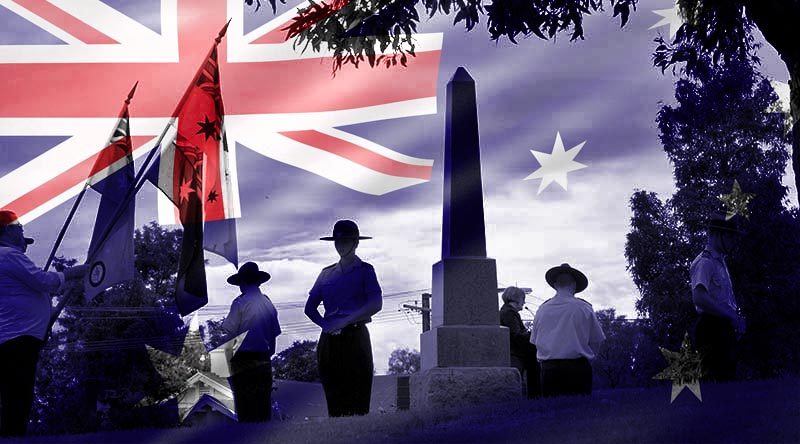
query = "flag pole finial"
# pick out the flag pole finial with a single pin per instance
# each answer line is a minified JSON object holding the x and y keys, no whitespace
{"x":130,"y":94}
{"x":223,"y":31}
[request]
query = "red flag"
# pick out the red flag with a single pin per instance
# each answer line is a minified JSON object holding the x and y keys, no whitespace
{"x":190,"y":171}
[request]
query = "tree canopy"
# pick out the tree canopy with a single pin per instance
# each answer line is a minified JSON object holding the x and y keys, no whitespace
{"x":717,"y":134}
{"x":353,"y":29}
{"x":404,"y":361}
{"x":298,"y":362}
{"x":97,"y":351}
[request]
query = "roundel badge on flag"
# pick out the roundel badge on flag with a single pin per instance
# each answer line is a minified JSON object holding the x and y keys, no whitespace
{"x":97,"y":273}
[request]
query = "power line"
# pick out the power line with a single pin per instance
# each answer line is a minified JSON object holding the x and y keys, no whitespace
{"x":294,"y":329}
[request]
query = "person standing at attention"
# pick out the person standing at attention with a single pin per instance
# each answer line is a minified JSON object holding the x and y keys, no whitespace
{"x":350,"y":294}
{"x":252,"y":313}
{"x":567,"y":335}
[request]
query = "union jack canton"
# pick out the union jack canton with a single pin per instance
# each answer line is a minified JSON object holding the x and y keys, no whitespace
{"x":278,"y":102}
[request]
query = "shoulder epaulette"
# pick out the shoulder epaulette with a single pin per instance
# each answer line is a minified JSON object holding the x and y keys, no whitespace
{"x":330,"y":266}
{"x":584,"y":300}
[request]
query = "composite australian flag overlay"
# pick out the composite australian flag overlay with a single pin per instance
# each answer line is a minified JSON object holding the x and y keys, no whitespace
{"x":306,"y":148}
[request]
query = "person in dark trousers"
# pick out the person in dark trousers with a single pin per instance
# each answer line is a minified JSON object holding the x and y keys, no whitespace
{"x":350,"y":294}
{"x":25,"y":309}
{"x":567,"y":335}
{"x":719,"y":324}
{"x":253,"y":313}
{"x":523,"y":353}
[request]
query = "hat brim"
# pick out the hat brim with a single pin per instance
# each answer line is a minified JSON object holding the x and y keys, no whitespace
{"x":258,"y":277}
{"x":331,"y":238}
{"x":29,"y":240}
{"x":581,"y":281}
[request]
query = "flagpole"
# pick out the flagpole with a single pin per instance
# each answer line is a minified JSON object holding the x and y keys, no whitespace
{"x":138,"y":181}
{"x":131,"y":192}
{"x":78,"y":200}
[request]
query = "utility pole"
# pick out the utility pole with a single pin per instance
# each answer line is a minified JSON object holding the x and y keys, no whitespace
{"x":425,"y":310}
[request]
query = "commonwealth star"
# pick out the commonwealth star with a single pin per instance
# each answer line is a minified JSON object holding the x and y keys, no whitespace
{"x":555,"y":166}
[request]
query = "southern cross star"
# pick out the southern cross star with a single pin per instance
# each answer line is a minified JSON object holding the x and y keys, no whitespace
{"x":669,"y":17}
{"x":208,"y":129}
{"x":736,"y":202}
{"x":684,"y":370}
{"x":555,"y":166}
{"x":184,"y":191}
{"x":212,"y":196}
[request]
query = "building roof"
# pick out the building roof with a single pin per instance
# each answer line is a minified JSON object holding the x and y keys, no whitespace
{"x":214,"y":404}
{"x":220,"y":384}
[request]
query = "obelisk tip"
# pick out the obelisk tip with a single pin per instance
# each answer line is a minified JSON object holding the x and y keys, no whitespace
{"x":461,"y":75}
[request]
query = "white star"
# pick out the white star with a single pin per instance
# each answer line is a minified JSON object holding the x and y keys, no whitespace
{"x":693,"y":386}
{"x":193,"y":352}
{"x":669,"y":17}
{"x":555,"y":166}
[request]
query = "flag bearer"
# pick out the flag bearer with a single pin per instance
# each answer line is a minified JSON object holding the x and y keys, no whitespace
{"x":25,"y":306}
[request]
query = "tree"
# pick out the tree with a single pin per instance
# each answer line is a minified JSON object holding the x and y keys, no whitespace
{"x":719,"y":29}
{"x":298,"y":362}
{"x":717,"y":134}
{"x":352,"y":29}
{"x":403,"y":361}
{"x":97,"y":350}
{"x":613,"y":364}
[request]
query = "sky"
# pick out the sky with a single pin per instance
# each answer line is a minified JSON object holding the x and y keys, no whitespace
{"x":602,"y":92}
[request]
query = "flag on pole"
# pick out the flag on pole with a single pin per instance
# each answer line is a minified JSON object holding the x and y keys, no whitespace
{"x":111,"y":250}
{"x":279,"y":102}
{"x":193,"y":172}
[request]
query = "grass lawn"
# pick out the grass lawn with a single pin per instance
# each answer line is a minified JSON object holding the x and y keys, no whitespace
{"x":742,"y":412}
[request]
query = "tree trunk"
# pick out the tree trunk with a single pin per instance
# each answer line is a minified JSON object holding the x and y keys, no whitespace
{"x":777,"y":20}
{"x":794,"y":87}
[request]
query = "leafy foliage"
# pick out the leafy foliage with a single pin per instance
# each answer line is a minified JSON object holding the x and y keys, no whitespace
{"x":721,"y":30}
{"x":297,"y":362}
{"x":617,"y":363}
{"x":97,"y":350}
{"x":720,"y":132}
{"x":353,"y":29}
{"x":404,"y":361}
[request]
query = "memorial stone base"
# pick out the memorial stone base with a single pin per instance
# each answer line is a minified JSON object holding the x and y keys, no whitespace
{"x":465,"y":346}
{"x":455,"y":387}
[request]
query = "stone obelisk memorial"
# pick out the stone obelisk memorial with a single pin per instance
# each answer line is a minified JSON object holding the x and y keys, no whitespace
{"x":465,"y":355}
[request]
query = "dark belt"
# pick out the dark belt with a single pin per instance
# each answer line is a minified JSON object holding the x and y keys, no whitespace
{"x":355,"y":325}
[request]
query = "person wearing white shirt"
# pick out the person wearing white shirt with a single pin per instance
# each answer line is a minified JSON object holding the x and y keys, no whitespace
{"x":253,"y":313}
{"x":567,"y":335}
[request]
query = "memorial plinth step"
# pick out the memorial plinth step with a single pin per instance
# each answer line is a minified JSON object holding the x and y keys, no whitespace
{"x":465,"y":346}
